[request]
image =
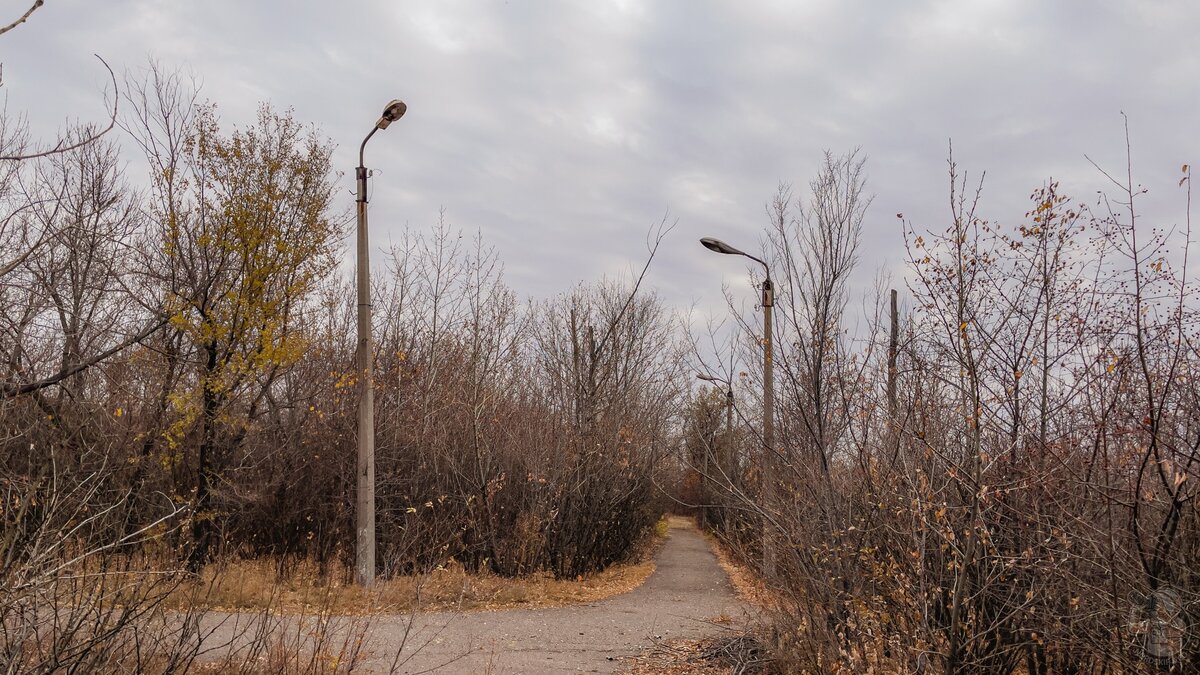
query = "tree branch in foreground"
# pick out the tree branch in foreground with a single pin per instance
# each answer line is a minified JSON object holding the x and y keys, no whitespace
{"x":24,"y":17}
{"x":12,"y":390}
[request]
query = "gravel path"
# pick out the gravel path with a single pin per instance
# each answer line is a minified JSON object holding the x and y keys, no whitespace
{"x":686,"y":592}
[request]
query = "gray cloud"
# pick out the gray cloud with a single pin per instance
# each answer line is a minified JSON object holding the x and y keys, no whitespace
{"x":564,"y":130}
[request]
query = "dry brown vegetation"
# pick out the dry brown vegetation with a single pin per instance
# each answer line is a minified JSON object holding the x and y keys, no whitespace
{"x":746,"y":581}
{"x":999,"y":479}
{"x":259,"y":584}
{"x":177,"y":401}
{"x":1004,"y":479}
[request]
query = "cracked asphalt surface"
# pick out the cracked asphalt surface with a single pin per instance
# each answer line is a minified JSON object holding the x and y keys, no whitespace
{"x":686,"y":592}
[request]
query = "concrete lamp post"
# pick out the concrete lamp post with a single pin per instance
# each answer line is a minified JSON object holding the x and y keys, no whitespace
{"x":768,"y":424}
{"x":364,"y":559}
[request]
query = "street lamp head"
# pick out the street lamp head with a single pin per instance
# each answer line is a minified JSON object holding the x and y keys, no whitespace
{"x":707,"y":378}
{"x":394,"y":111}
{"x":719,"y":246}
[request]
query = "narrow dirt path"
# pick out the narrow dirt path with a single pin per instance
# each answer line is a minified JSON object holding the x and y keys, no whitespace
{"x":686,"y":594}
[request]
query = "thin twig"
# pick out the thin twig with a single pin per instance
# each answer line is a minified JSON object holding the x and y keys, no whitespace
{"x":59,"y":148}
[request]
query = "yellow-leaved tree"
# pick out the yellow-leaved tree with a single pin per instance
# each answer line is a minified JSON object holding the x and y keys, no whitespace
{"x":246,"y":233}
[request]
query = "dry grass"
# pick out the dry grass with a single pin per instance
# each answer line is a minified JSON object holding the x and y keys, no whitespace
{"x":746,"y":581}
{"x":255,"y":585}
{"x":750,"y":587}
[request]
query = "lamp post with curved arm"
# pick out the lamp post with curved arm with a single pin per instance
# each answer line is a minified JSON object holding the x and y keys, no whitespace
{"x":364,"y":560}
{"x":768,"y":425}
{"x":726,"y":464}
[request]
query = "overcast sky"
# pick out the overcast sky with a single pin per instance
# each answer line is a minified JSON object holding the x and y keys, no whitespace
{"x":563,"y":130}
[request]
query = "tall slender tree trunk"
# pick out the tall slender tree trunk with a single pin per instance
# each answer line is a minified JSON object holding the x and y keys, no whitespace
{"x":202,"y":515}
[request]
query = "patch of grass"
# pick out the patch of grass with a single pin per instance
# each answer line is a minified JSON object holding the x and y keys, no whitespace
{"x":258,"y":584}
{"x":663,"y":527}
{"x":254,"y":585}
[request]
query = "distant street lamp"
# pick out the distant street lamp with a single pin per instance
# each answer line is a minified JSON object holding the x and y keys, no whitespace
{"x":768,"y":426}
{"x":725,"y":463}
{"x":364,"y":561}
{"x":728,"y":398}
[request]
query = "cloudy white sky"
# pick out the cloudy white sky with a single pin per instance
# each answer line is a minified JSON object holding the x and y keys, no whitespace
{"x":563,"y":130}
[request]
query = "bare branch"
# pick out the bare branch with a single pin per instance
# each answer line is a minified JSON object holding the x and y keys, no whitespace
{"x":654,"y":237}
{"x":24,"y":17}
{"x":10,"y":390}
{"x":60,"y":147}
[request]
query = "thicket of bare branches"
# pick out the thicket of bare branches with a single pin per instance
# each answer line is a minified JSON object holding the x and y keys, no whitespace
{"x":1024,"y":500}
{"x":177,"y":385}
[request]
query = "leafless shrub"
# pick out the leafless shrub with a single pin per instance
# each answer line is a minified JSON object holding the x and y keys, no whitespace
{"x":1013,"y":490}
